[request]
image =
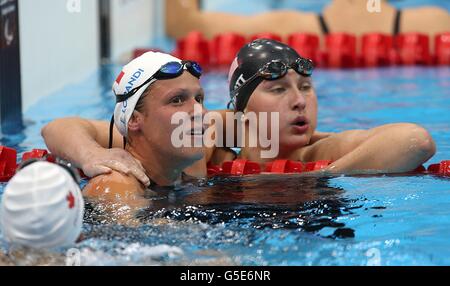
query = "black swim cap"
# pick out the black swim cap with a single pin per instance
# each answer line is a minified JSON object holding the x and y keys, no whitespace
{"x":250,"y":59}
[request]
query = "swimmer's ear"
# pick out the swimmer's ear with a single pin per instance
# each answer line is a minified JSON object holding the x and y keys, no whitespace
{"x":136,"y":121}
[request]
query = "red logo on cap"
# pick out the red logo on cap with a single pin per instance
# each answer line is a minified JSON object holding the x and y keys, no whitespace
{"x":71,"y":199}
{"x":119,"y":78}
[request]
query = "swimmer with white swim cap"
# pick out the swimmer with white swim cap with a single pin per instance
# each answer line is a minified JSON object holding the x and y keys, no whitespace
{"x":42,"y":207}
{"x":148,"y":92}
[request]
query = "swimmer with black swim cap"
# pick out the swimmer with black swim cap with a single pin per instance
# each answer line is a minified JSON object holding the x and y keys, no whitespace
{"x":260,"y":60}
{"x":269,"y":76}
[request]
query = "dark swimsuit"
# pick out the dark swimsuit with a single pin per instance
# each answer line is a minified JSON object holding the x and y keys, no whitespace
{"x":396,"y":31}
{"x":398,"y":18}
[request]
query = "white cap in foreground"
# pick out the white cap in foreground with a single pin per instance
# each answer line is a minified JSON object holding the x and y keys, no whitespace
{"x":42,"y":207}
{"x":133,"y":75}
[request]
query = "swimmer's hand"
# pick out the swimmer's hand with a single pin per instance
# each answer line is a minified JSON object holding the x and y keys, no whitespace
{"x":104,"y":161}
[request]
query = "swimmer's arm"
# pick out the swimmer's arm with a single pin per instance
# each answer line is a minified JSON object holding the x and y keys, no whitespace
{"x":392,"y":148}
{"x":212,"y":23}
{"x":73,"y":130}
{"x":84,"y":143}
{"x":117,"y":197}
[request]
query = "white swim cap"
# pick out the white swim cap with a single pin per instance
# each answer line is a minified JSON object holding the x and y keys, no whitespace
{"x":42,"y":207}
{"x":133,"y":75}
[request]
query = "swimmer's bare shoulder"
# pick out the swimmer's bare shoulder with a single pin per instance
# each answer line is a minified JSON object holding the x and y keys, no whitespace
{"x":113,"y":186}
{"x":120,"y":195}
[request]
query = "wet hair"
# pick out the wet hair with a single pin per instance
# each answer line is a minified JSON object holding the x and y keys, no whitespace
{"x":141,"y":102}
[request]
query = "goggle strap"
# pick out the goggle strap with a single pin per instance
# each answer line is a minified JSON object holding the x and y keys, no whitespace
{"x":62,"y":163}
{"x":111,"y":133}
{"x":161,"y":75}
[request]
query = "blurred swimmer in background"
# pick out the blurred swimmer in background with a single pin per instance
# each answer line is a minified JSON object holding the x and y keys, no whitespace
{"x":346,"y":16}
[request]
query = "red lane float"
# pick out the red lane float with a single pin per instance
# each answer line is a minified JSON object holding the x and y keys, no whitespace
{"x":243,"y":167}
{"x":442,"y":168}
{"x":413,"y":48}
{"x":194,"y":47}
{"x":341,"y":50}
{"x":34,"y":154}
{"x":225,"y":47}
{"x":420,"y":169}
{"x":442,"y":49}
{"x":306,"y":45}
{"x":239,"y":167}
{"x":376,"y":50}
{"x":316,"y":166}
{"x":8,"y":157}
{"x":284,"y":166}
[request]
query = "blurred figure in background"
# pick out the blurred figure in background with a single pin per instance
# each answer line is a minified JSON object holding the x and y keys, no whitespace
{"x":349,"y":16}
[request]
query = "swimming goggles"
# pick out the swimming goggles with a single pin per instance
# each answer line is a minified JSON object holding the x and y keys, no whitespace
{"x":167,"y":71}
{"x":74,"y":173}
{"x":274,"y":70}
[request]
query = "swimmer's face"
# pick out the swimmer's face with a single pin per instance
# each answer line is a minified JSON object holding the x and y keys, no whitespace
{"x":165,"y":98}
{"x":294,"y":98}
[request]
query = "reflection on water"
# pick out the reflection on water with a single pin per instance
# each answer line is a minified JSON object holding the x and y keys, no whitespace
{"x":281,"y":221}
{"x":289,"y":220}
{"x":295,"y":202}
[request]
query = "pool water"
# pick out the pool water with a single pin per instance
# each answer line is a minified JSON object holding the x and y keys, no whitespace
{"x":278,"y":220}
